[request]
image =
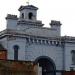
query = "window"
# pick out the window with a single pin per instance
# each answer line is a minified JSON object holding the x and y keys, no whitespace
{"x":23,"y":15}
{"x":30,"y":15}
{"x":73,"y":56}
{"x":16,"y":47}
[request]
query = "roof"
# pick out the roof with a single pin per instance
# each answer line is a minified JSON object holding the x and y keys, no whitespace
{"x":1,"y":47}
{"x":27,"y":7}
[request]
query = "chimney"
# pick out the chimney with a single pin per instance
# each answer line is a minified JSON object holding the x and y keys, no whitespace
{"x":56,"y":25}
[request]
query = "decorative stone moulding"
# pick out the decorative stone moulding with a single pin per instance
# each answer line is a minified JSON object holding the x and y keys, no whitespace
{"x":43,"y":41}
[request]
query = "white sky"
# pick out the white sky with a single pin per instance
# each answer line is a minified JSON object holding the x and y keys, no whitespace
{"x":60,"y":10}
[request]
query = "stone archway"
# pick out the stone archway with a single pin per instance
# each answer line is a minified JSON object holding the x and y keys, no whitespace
{"x":47,"y":64}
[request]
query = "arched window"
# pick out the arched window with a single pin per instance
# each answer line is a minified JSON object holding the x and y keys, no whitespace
{"x":22,"y":15}
{"x":30,"y":15}
{"x":16,"y":47}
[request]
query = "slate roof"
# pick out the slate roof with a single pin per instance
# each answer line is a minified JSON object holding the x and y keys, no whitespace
{"x":27,"y":7}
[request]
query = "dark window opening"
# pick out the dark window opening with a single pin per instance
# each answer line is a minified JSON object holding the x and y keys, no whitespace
{"x":16,"y":47}
{"x":30,"y":15}
{"x":23,"y":15}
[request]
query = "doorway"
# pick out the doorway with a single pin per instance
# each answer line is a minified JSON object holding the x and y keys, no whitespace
{"x":47,"y":65}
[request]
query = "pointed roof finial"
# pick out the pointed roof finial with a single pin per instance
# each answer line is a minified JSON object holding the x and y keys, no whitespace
{"x":28,"y":2}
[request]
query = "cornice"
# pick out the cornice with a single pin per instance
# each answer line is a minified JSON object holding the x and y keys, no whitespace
{"x":17,"y":33}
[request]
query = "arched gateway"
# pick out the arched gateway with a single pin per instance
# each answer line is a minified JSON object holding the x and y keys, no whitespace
{"x":47,"y":64}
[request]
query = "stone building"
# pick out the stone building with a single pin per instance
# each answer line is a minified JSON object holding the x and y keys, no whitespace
{"x":26,"y":39}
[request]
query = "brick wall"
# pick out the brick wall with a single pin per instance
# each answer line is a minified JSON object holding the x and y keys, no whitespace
{"x":8,"y":67}
{"x":3,"y":54}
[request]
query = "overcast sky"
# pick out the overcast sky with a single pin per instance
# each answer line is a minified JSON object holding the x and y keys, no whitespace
{"x":60,"y":10}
